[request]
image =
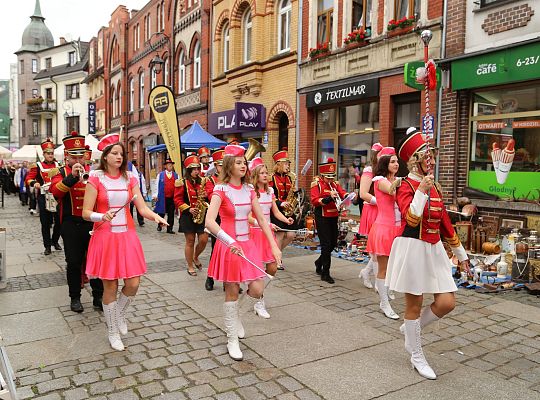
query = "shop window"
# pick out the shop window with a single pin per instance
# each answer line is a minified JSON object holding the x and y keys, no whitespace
{"x":325,"y":11}
{"x":226,"y":43}
{"x":284,"y":22}
{"x":406,"y":8}
{"x":283,"y":131}
{"x":247,"y":25}
{"x":325,"y":150}
{"x":505,"y":142}
{"x":326,"y":121}
{"x":361,"y":15}
{"x":359,"y":117}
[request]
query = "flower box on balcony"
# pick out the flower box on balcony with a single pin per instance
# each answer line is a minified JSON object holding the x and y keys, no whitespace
{"x":354,"y":45}
{"x":357,"y":38}
{"x":400,"y":31}
{"x":322,"y":50}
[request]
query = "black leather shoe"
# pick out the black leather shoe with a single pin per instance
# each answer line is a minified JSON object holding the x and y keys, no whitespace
{"x":171,"y":232}
{"x":76,"y":306}
{"x":318,"y":268}
{"x":57,"y":246}
{"x":98,"y":303}
{"x":327,"y":278}
{"x":209,"y":284}
{"x":159,"y":228}
{"x":47,"y":251}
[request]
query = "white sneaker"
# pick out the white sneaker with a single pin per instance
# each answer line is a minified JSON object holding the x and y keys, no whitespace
{"x":364,"y":275}
{"x":260,"y":309}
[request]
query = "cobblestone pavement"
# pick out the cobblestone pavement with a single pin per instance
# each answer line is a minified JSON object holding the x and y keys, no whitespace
{"x":323,"y":341}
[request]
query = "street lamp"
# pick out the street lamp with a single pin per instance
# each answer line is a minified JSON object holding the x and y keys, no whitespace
{"x":157,"y":63}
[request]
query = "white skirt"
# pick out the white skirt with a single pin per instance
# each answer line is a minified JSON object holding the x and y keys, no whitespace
{"x":418,"y":267}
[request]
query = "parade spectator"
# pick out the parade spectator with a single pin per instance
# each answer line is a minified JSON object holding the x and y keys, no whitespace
{"x":164,"y":195}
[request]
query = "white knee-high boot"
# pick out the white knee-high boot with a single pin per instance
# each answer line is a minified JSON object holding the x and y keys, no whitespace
{"x":413,"y":340}
{"x":230,"y":314}
{"x":385,"y":303}
{"x":365,"y":274}
{"x":427,"y":316}
{"x":121,"y":306}
{"x":111,"y":318}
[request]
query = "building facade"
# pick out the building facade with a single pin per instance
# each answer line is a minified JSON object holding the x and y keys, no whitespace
{"x":14,"y":106}
{"x":95,"y":83}
{"x":352,"y":90}
{"x":36,"y":37}
{"x":254,"y":72}
{"x":490,"y":136}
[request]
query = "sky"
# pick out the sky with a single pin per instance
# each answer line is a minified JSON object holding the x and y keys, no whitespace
{"x":68,"y":18}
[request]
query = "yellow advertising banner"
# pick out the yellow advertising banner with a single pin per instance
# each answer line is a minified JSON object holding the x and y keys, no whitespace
{"x":161,"y":101}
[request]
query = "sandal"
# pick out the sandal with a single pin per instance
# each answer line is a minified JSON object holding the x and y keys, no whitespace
{"x":199,"y":265}
{"x":192,"y":273}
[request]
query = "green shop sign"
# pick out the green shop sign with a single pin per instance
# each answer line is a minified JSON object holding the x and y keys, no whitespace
{"x":503,"y":66}
{"x":409,"y":75}
{"x":519,"y":183}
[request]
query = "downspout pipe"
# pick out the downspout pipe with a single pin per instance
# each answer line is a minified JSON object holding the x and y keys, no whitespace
{"x":440,"y":94}
{"x":299,"y":60}
{"x":56,"y":91}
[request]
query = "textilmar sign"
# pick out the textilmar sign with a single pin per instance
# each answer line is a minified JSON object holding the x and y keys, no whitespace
{"x":361,"y":89}
{"x":161,"y":101}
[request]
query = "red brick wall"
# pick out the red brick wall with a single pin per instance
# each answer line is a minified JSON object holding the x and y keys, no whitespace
{"x":509,"y":18}
{"x":380,"y":17}
{"x":305,"y":28}
{"x":455,"y":27}
{"x":435,"y":8}
{"x":306,"y":130}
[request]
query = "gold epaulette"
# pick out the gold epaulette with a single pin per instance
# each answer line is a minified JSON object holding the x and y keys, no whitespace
{"x":438,"y":187}
{"x":179,"y":182}
{"x":292,"y":175}
{"x":315,"y":181}
{"x":33,"y":165}
{"x":53,"y":172}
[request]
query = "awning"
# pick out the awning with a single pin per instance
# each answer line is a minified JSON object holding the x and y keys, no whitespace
{"x":192,"y":139}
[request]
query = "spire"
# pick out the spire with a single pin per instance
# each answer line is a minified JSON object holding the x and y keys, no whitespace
{"x":37,"y":10}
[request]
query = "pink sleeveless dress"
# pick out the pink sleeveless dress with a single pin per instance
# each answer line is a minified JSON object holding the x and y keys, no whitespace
{"x":265,"y":200}
{"x":387,"y":225}
{"x":369,"y":211}
{"x":234,"y":210}
{"x":115,"y":251}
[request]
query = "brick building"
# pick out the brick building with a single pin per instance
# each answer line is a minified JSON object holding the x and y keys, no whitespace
{"x":492,"y":53}
{"x":254,"y":72}
{"x":95,"y":82}
{"x":354,"y":94}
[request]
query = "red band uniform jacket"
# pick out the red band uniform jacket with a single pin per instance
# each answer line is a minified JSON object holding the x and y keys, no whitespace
{"x":69,"y":192}
{"x":321,"y":190}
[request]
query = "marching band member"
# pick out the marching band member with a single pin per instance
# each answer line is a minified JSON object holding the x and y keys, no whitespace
{"x":267,"y":201}
{"x":39,"y":178}
{"x":324,"y":193}
{"x":369,"y":212}
{"x":234,"y":200}
{"x":204,"y":157}
{"x":115,"y":251}
{"x":211,"y":182}
{"x":165,"y":195}
{"x":69,"y":189}
{"x":186,"y":200}
{"x":387,"y":224}
{"x":282,"y":181}
{"x":418,"y":263}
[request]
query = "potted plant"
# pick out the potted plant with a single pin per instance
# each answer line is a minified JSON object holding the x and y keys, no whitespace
{"x":401,"y":26}
{"x":322,"y":50}
{"x":34,"y":101}
{"x":356,"y":38}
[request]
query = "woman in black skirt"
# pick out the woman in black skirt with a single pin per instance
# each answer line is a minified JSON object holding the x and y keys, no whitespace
{"x":190,"y":200}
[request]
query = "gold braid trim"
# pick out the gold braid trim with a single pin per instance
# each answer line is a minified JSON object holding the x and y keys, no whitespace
{"x":315,"y":182}
{"x":53,"y":172}
{"x":62,"y":187}
{"x":179,"y":182}
{"x":183,"y":207}
{"x":453,"y":241}
{"x":412,"y":220}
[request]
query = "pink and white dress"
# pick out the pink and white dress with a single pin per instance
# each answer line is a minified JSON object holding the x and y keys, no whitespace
{"x":234,"y":210}
{"x":387,"y":225}
{"x":266,"y":199}
{"x":369,"y":211}
{"x":115,"y":251}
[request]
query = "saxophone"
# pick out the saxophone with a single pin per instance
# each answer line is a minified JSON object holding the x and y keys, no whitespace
{"x":201,"y":205}
{"x":292,"y":199}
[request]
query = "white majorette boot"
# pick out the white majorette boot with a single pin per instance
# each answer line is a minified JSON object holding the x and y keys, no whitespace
{"x":385,"y":304}
{"x":121,"y":306}
{"x":414,"y":341}
{"x":109,"y":310}
{"x":230,"y":314}
{"x":427,"y":316}
{"x":260,"y":309}
{"x":365,"y":274}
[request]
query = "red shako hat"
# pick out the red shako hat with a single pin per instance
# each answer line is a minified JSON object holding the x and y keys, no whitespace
{"x":108,"y":140}
{"x":255,"y":163}
{"x":192,"y":161}
{"x":217,"y":156}
{"x":328,"y":168}
{"x":74,"y":144}
{"x":386,"y":151}
{"x":281,"y":155}
{"x":87,"y":153}
{"x":234,"y":150}
{"x":47,"y":146}
{"x":203,"y":151}
{"x":413,"y":142}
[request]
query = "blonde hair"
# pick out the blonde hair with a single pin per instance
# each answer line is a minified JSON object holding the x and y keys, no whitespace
{"x":278,"y":167}
{"x":226,"y":170}
{"x":255,"y":179}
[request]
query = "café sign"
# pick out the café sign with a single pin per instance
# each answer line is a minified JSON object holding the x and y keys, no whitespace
{"x":343,"y":93}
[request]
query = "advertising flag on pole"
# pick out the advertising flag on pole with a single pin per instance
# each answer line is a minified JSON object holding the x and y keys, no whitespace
{"x":161,"y":101}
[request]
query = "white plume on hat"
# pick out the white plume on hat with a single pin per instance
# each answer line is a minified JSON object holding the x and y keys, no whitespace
{"x":410,"y":130}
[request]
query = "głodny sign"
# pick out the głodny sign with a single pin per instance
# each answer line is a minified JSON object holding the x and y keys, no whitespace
{"x":343,"y":93}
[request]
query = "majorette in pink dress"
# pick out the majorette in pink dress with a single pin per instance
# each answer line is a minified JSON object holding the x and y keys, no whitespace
{"x":234,"y":210}
{"x":387,"y":225}
{"x":115,"y":251}
{"x":369,"y":211}
{"x":265,"y":200}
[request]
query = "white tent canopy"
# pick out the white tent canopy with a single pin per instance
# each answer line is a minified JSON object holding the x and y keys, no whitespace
{"x":29,"y":152}
{"x":4,"y":153}
{"x":90,"y":140}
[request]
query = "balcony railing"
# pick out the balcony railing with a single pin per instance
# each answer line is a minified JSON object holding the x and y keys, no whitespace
{"x":46,"y":106}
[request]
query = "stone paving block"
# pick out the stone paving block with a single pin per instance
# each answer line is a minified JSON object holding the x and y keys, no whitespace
{"x":76,"y":394}
{"x":149,"y":376}
{"x":35,"y":378}
{"x":25,"y":393}
{"x":175,"y":384}
{"x":200,"y":391}
{"x":83,"y":379}
{"x":223,"y":385}
{"x":124,"y":382}
{"x":52,"y":396}
{"x":270,"y":389}
{"x":101,"y":387}
{"x":150,"y":389}
{"x":125,"y":395}
{"x":109,"y":373}
{"x":251,"y":392}
{"x":55,"y":384}
{"x":228,"y":396}
{"x":131,"y":369}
